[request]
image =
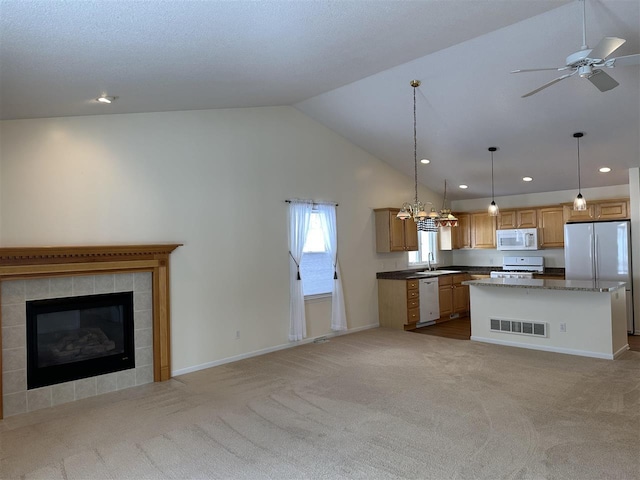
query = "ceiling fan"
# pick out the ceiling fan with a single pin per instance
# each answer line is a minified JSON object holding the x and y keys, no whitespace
{"x":588,"y":62}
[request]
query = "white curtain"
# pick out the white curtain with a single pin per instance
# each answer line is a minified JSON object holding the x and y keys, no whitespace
{"x":299,"y":216}
{"x":328,"y":221}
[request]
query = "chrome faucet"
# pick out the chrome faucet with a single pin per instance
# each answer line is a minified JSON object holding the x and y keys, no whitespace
{"x":429,"y":260}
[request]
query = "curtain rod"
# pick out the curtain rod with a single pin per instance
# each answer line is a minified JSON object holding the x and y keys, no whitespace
{"x":312,"y":202}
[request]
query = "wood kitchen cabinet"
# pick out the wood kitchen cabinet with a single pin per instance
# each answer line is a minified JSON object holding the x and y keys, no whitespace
{"x":526,"y":218}
{"x":462,"y":233}
{"x":393,"y":234}
{"x":398,"y":303}
{"x":460,"y":293}
{"x":453,"y":296}
{"x":571,"y":215}
{"x":506,"y":220}
{"x":483,"y":230}
{"x":551,"y":224}
{"x":613,"y":209}
{"x":445,"y":296}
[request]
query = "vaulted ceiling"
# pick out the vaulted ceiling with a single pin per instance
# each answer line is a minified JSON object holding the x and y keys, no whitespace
{"x":348,"y":65}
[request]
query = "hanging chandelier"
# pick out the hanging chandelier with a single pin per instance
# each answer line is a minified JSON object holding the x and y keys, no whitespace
{"x":444,"y":218}
{"x":417,"y":209}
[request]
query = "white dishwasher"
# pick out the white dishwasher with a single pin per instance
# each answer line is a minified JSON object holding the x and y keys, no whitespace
{"x":429,"y":301}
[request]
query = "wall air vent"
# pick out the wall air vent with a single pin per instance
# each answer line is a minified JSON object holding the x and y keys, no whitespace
{"x":536,"y":329}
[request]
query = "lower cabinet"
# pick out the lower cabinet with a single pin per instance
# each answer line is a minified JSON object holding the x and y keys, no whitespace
{"x":454,"y":297}
{"x":398,"y":303}
{"x":445,"y":283}
{"x":399,"y":300}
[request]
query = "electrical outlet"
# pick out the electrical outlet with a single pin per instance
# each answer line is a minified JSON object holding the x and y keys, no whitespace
{"x":563,"y":327}
{"x":237,"y":334}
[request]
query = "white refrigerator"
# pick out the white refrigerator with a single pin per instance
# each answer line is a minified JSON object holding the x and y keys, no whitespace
{"x":600,"y":251}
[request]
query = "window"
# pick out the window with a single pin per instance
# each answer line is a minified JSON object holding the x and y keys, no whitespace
{"x":316,"y":267}
{"x":427,"y":243}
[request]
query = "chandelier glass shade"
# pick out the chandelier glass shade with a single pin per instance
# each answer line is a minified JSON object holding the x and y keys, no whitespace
{"x":579,"y":203}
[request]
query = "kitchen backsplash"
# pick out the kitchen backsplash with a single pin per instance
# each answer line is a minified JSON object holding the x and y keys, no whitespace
{"x":553,"y":257}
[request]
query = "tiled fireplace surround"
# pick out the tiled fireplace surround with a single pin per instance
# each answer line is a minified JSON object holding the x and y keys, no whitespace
{"x":34,"y":273}
{"x":16,"y":397}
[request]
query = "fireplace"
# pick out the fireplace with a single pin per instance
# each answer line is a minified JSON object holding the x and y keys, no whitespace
{"x":37,"y":273}
{"x":79,"y":337}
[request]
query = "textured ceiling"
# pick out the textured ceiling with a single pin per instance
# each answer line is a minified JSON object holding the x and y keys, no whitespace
{"x":346,"y":64}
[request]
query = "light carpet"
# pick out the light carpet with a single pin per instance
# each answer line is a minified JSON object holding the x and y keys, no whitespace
{"x":370,"y":405}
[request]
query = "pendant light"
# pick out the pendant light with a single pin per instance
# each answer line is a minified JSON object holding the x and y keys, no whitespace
{"x":579,"y":203}
{"x":493,"y":208}
{"x":417,"y":209}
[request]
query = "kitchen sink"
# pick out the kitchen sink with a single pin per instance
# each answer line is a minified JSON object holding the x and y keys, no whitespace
{"x":430,"y":273}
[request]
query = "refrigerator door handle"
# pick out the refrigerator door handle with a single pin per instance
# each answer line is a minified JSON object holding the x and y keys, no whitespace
{"x":595,"y":256}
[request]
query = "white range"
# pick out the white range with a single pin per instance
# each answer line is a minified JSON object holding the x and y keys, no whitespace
{"x":519,"y":267}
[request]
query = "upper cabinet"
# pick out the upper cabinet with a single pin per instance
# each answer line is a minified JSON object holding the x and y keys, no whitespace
{"x":551,"y":224}
{"x":614,"y":209}
{"x":506,"y":220}
{"x":393,"y":234}
{"x":453,"y":238}
{"x":525,"y":218}
{"x":571,"y":215}
{"x":483,"y":230}
{"x":462,"y":233}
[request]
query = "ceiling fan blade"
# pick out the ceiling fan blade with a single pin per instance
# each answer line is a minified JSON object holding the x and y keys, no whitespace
{"x":602,"y":81}
{"x":549,"y":84}
{"x":523,"y":70}
{"x":623,"y":61}
{"x":606,"y":47}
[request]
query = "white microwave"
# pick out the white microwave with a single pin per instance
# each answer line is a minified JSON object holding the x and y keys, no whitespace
{"x":517,"y":239}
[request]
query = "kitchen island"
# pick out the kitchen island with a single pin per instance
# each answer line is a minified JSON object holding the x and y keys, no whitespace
{"x":577,"y":317}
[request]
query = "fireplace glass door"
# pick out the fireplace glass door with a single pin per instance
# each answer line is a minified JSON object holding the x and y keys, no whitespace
{"x":79,"y":337}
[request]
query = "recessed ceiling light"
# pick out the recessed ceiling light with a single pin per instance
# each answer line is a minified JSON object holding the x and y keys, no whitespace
{"x":527,"y":179}
{"x":425,"y":161}
{"x":604,"y":169}
{"x":106,"y":99}
{"x":463,"y":186}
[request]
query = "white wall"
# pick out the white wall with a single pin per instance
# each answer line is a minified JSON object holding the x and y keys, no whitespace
{"x":215,"y":180}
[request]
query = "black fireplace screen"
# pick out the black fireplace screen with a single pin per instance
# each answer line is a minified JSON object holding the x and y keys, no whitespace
{"x":78,"y":337}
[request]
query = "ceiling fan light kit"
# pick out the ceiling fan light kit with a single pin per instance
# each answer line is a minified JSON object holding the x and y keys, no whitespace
{"x":588,"y":62}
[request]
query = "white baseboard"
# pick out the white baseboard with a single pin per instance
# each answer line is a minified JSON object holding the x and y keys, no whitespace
{"x":255,"y":353}
{"x":546,"y":348}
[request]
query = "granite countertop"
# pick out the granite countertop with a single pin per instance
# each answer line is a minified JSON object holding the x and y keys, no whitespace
{"x":548,"y":284}
{"x":411,"y":274}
